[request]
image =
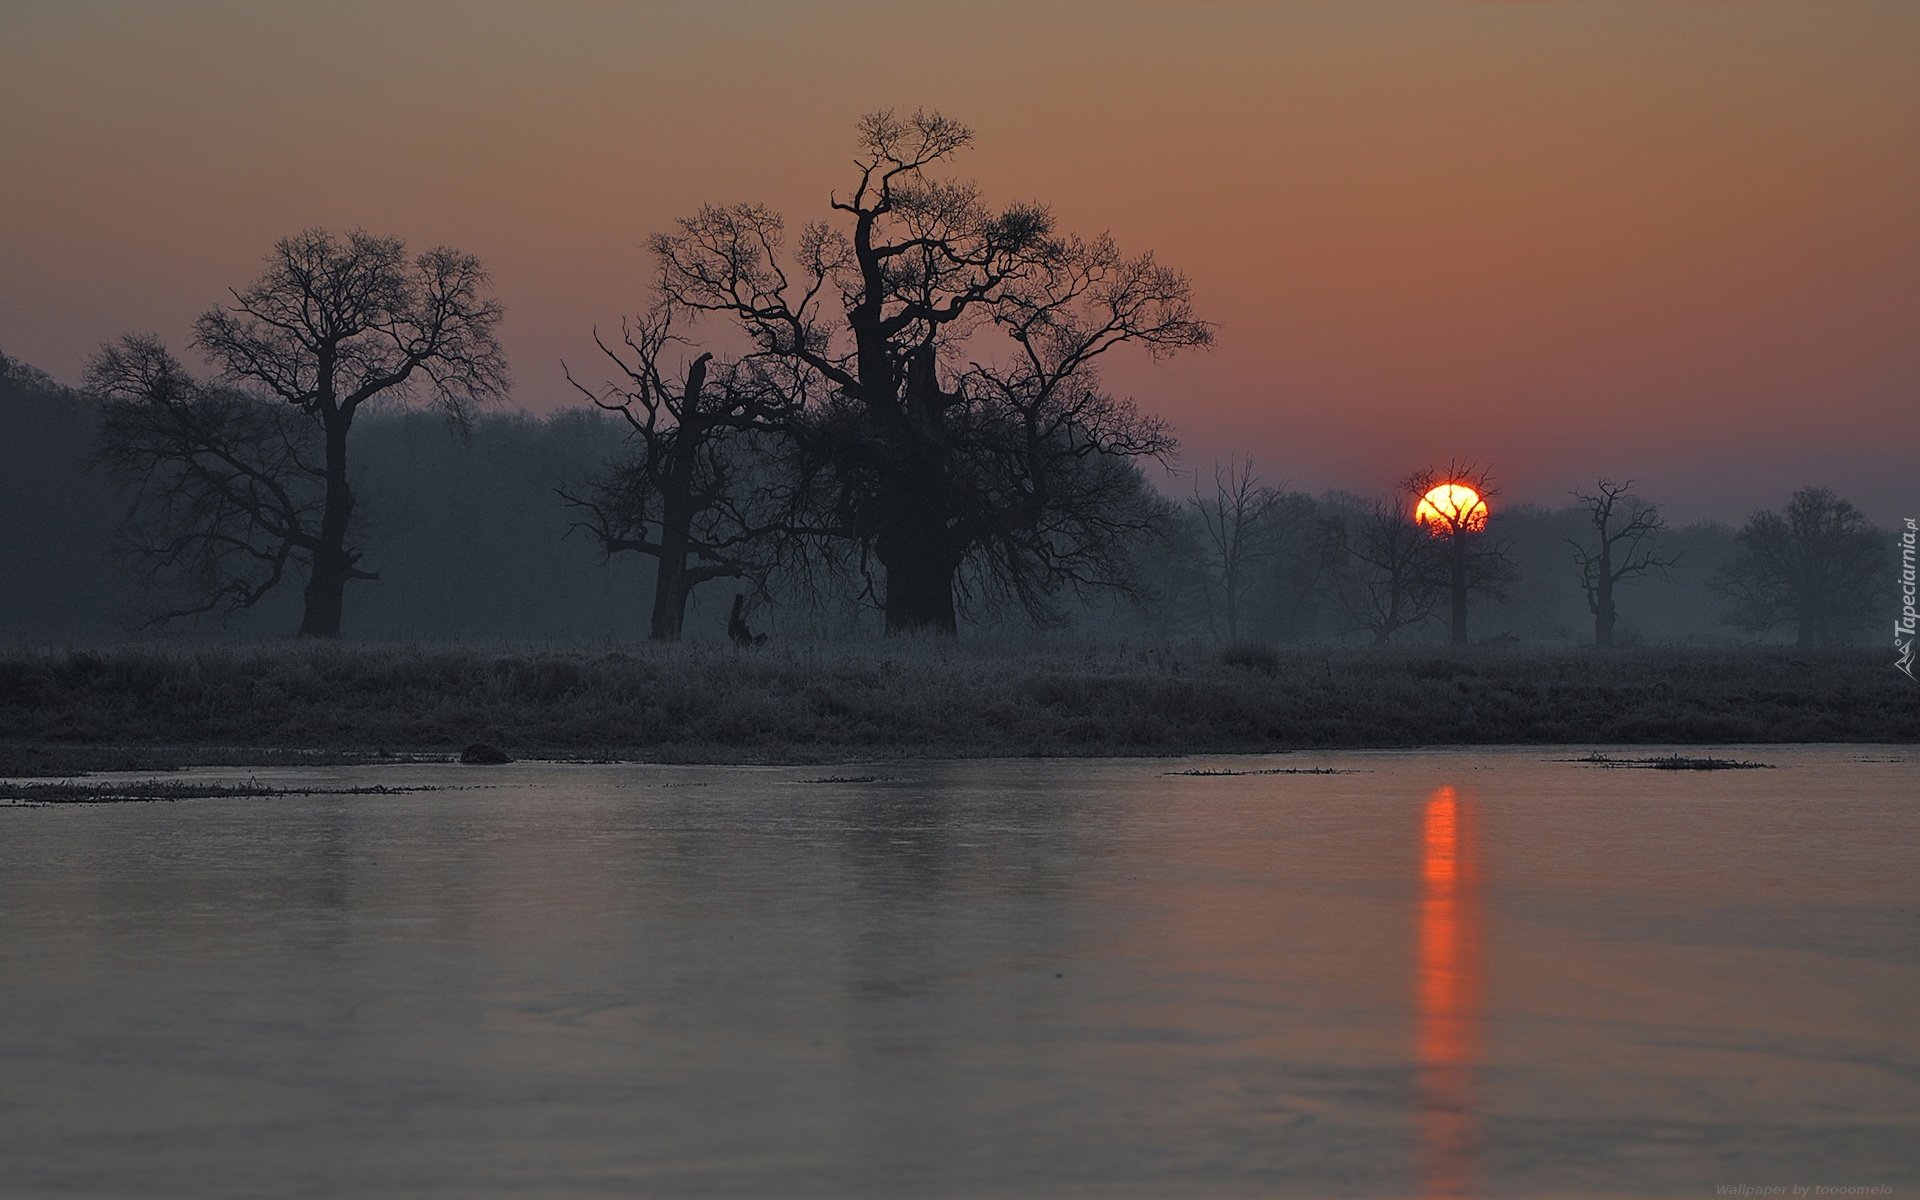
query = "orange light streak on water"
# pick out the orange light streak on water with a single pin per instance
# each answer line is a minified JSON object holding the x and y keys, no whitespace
{"x":1449,"y":999}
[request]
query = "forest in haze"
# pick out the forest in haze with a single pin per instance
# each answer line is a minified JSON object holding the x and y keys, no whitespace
{"x":473,"y":540}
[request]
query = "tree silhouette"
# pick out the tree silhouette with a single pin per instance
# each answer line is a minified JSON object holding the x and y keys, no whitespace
{"x":1622,"y":545}
{"x":693,"y":494}
{"x":948,"y":349}
{"x":1237,"y":521}
{"x":1457,"y":519}
{"x":329,"y":325}
{"x":1388,"y":570}
{"x":226,"y":486}
{"x":1818,"y":566}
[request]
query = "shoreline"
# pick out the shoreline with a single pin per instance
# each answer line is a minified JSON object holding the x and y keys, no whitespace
{"x":297,"y":776}
{"x":148,"y":707}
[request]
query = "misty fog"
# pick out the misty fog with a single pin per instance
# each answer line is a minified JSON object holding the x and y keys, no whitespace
{"x":472,"y":541}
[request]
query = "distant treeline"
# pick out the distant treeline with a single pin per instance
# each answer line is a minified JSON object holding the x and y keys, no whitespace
{"x":472,"y":540}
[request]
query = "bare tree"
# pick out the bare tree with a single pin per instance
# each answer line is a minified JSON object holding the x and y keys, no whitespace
{"x":687,"y":495}
{"x":1237,"y":521}
{"x":1295,"y":576}
{"x":333,"y":323}
{"x":1623,"y":544}
{"x":1170,"y":572}
{"x":1452,"y":505}
{"x":225,"y":485}
{"x":1388,"y":570}
{"x":1818,"y":567}
{"x":924,"y":449}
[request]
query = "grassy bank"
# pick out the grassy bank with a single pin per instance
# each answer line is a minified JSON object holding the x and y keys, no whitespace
{"x":141,"y":706}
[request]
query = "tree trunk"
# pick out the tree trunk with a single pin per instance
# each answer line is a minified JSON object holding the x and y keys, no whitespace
{"x":1603,"y":611}
{"x":1457,"y":584}
{"x":670,"y":590}
{"x":670,"y":585}
{"x":671,"y":582}
{"x":920,"y":595}
{"x":325,"y":596}
{"x":1233,"y":605}
{"x":921,"y":572}
{"x":915,"y":545}
{"x":332,"y":566}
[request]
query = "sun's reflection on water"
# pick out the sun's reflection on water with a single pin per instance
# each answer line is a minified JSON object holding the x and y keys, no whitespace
{"x":1448,"y":986}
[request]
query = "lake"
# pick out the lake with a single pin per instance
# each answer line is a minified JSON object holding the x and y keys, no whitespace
{"x":1445,"y":973}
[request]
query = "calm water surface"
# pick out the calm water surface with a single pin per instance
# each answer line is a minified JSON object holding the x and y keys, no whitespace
{"x":1436,"y":974}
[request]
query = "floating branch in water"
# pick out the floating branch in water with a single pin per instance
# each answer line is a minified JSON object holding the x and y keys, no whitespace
{"x":1207,"y":771}
{"x":147,"y":790}
{"x":1673,"y":762}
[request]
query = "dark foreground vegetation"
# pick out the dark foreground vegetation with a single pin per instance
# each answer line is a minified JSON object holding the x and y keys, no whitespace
{"x":71,"y":710}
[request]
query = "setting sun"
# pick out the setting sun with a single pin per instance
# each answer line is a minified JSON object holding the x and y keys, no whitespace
{"x":1451,"y":507}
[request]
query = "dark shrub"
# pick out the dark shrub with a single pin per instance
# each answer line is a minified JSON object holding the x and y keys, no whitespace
{"x":1252,"y":656}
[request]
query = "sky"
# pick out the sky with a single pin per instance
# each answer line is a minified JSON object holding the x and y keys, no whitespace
{"x":1677,"y":242}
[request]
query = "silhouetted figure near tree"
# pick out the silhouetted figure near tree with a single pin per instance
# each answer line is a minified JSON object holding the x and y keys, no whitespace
{"x":1623,"y":544}
{"x":331,"y":324}
{"x":737,"y":624}
{"x":1452,"y":506}
{"x":694,"y":494}
{"x":1819,"y":567}
{"x":1015,"y":465}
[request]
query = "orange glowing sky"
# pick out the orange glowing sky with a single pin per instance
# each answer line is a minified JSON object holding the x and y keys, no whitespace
{"x":1678,"y":241}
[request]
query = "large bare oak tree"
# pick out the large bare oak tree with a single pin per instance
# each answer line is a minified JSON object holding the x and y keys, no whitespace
{"x":238,"y":479}
{"x":331,"y":324}
{"x":957,"y":419}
